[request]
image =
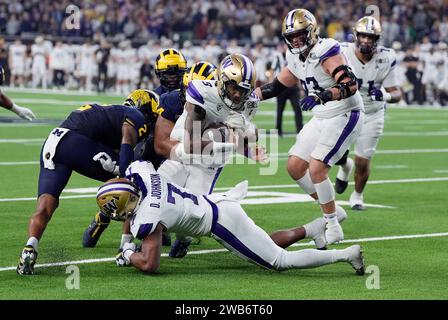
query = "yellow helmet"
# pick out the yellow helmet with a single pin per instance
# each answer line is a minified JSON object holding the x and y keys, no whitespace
{"x":118,"y":198}
{"x":370,"y":27}
{"x":170,"y":67}
{"x":201,"y":70}
{"x":236,"y":69}
{"x":146,"y":101}
{"x":300,"y":21}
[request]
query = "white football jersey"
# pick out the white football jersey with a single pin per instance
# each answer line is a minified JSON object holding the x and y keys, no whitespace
{"x":379,"y":72}
{"x":179,"y":211}
{"x":314,"y":79}
{"x":17,"y":54}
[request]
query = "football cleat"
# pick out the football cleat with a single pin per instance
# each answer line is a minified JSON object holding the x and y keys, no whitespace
{"x":343,"y":176}
{"x":179,"y":249}
{"x":356,"y":259}
{"x":356,"y":201}
{"x":27,"y":260}
{"x":94,"y":230}
{"x":334,"y":233}
{"x":166,"y":239}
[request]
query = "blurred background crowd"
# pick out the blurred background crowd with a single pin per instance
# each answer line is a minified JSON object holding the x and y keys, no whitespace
{"x":111,"y":45}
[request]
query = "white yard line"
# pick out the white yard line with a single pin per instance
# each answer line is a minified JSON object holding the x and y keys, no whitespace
{"x":373,"y":239}
{"x":274,"y":187}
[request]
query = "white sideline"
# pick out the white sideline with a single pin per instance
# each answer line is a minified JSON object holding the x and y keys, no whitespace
{"x":412,"y":236}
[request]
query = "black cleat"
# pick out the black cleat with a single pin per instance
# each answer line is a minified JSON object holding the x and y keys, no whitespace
{"x":358,"y":207}
{"x":94,"y":230}
{"x":340,"y":186}
{"x":179,"y":249}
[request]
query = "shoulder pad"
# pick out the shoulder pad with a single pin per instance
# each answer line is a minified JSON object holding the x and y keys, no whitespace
{"x":326,"y":48}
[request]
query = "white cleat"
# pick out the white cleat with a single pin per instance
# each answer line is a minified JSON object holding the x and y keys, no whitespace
{"x":356,"y":201}
{"x":341,"y":213}
{"x":334,"y":233}
{"x":356,"y":259}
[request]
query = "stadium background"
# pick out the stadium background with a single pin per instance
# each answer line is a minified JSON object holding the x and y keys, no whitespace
{"x":403,"y":233}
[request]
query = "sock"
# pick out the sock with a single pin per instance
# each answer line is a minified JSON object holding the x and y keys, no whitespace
{"x":325,"y":191}
{"x":311,"y":258}
{"x":126,"y":238}
{"x":331,"y":218}
{"x":306,"y":184}
{"x":32,"y":241}
{"x":340,"y":213}
{"x":313,"y":228}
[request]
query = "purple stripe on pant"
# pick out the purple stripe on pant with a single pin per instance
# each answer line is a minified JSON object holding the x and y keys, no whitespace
{"x":225,"y":235}
{"x":354,"y":117}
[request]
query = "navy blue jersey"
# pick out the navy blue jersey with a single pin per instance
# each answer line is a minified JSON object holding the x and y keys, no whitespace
{"x":172,"y":105}
{"x":161,"y":90}
{"x":103,"y":123}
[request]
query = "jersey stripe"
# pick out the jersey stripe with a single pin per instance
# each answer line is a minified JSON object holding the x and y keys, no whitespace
{"x":334,"y":50}
{"x":194,"y":93}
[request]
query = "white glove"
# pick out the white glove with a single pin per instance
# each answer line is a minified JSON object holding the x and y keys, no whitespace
{"x":23,"y":112}
{"x":107,"y":163}
{"x":123,"y":258}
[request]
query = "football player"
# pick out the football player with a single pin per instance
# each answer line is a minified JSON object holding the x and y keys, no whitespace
{"x":227,"y":99}
{"x":156,"y":205}
{"x":85,"y":143}
{"x":332,"y":95}
{"x":170,"y":67}
{"x":375,"y":69}
{"x":6,"y":102}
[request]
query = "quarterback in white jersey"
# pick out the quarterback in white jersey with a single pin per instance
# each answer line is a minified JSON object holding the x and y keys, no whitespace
{"x":155,"y":205}
{"x":332,"y":94}
{"x":375,"y":69}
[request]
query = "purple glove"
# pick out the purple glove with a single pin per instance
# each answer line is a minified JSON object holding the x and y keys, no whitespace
{"x":376,"y":94}
{"x":309,"y":102}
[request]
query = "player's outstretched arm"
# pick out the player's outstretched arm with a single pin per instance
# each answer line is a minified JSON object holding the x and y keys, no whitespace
{"x":128,"y":142}
{"x":148,"y":259}
{"x":22,"y":112}
{"x":285,"y":79}
{"x":163,"y":144}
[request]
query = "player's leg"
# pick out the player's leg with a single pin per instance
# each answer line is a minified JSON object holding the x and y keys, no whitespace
{"x":238,"y":233}
{"x":365,"y":148}
{"x":299,"y":157}
{"x":335,"y":138}
{"x":294,"y":97}
{"x":281,"y":102}
{"x":51,"y":184}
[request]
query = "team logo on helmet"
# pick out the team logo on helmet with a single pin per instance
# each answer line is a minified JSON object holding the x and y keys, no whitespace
{"x":236,"y":70}
{"x":118,"y":198}
{"x":300,"y":21}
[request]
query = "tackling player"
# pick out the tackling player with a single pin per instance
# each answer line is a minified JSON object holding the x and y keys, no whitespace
{"x":332,"y":94}
{"x":85,"y":143}
{"x":170,"y":67}
{"x":6,"y":102}
{"x":375,"y":69}
{"x":155,"y":205}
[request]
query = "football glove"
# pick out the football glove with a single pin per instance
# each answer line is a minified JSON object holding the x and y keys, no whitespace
{"x":310,"y":102}
{"x":122,"y":258}
{"x":108,"y":164}
{"x":379,"y":94}
{"x":259,"y":154}
{"x":23,"y":112}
